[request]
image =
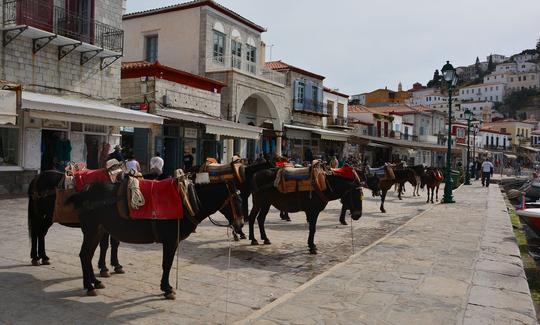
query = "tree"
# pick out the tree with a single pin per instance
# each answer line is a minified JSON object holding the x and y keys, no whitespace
{"x":491,"y":65}
{"x":436,"y":81}
{"x":538,"y":46}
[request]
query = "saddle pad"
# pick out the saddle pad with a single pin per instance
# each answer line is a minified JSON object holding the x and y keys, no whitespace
{"x":218,"y":170}
{"x":64,"y":213}
{"x":162,"y":201}
{"x":90,"y":176}
{"x":346,"y":172}
{"x":377,"y":171}
{"x":438,"y":175}
{"x":298,"y":174}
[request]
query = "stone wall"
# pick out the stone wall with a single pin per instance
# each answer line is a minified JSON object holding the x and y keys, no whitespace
{"x":15,"y":182}
{"x":18,"y":64}
{"x":185,"y":97}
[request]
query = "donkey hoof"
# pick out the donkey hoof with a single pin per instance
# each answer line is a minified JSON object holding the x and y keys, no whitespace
{"x":383,"y":210}
{"x":91,"y":293}
{"x":236,"y":238}
{"x":267,"y":242}
{"x":343,"y":222}
{"x":99,"y":285}
{"x":35,"y":262}
{"x":104,"y":274}
{"x":313,"y":250}
{"x":119,"y":270}
{"x":45,"y":262}
{"x":170,"y":295}
{"x":254,"y":242}
{"x":242,"y":236}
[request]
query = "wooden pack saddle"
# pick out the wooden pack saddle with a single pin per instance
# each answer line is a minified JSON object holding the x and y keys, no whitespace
{"x":224,"y":172}
{"x":304,"y":179}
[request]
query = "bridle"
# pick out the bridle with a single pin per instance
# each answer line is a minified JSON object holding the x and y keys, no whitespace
{"x":234,"y":195}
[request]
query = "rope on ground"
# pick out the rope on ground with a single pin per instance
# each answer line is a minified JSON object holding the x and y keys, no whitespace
{"x":227,"y":283}
{"x":352,"y":236}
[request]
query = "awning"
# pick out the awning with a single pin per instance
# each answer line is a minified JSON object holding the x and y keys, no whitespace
{"x":8,"y":107}
{"x":325,"y":134}
{"x":531,"y":149}
{"x":214,"y":125}
{"x":509,"y":156}
{"x":82,"y":110}
{"x":377,"y":145}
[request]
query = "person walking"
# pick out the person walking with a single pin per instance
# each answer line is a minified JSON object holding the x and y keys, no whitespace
{"x":478,"y":169}
{"x":116,"y":154}
{"x":156,"y":165}
{"x":487,"y":171}
{"x":133,"y":164}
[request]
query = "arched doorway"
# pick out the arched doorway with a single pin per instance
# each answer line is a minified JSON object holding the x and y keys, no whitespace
{"x":259,"y":110}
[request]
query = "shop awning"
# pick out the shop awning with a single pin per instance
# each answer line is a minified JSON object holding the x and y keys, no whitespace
{"x":214,"y":125}
{"x":82,"y":110}
{"x":8,"y":107}
{"x":325,"y":134}
{"x":531,"y":149}
{"x":510,"y":156}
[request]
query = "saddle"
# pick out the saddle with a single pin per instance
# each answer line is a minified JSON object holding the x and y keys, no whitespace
{"x":234,"y":171}
{"x":151,"y":199}
{"x":346,"y":172}
{"x":304,"y":179}
{"x":383,"y":173}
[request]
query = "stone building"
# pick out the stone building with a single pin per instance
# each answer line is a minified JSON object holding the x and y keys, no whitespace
{"x":61,"y":60}
{"x":219,"y":44}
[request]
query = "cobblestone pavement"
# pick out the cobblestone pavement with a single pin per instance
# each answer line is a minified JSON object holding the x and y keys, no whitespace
{"x":454,"y":264}
{"x":257,"y":276}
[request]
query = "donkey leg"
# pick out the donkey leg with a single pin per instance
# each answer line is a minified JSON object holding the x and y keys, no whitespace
{"x":118,"y":268}
{"x":383,"y":197}
{"x":91,"y":240}
{"x":44,"y":228}
{"x":312,"y":220}
{"x":102,"y":264}
{"x":169,"y":249}
{"x":252,"y":217}
{"x":342,"y":215}
{"x":400,"y":187}
{"x":261,"y":218}
{"x":33,"y":250}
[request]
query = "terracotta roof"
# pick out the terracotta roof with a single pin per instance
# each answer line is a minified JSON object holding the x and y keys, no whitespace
{"x":335,"y":92}
{"x":282,"y":66}
{"x":137,"y":69}
{"x":194,"y":4}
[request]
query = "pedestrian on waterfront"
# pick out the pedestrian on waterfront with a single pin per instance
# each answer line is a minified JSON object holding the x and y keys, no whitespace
{"x":478,"y":168}
{"x":116,"y":154}
{"x":487,"y":172}
{"x":156,"y":165}
{"x":132,"y":164}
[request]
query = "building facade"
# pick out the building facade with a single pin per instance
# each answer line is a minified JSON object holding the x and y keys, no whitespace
{"x":61,"y":60}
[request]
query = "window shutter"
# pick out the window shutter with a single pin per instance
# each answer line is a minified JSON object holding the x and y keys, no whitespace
{"x":319,"y":99}
{"x":308,"y":95}
{"x":296,"y":104}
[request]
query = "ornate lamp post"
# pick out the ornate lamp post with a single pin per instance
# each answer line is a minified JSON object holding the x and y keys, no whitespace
{"x":468,"y":115}
{"x":449,"y":74}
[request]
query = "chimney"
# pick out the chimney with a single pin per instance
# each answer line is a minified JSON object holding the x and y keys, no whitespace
{"x":262,"y":53}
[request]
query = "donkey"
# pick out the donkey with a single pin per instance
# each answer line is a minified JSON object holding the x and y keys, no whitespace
{"x":312,"y":203}
{"x":403,"y":176}
{"x":98,"y":212}
{"x":432,"y":178}
{"x":41,"y":203}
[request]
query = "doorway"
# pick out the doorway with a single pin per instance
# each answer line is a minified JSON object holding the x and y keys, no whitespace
{"x":170,"y":155}
{"x":55,"y":150}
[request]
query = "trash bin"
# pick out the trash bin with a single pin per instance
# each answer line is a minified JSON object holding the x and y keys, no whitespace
{"x":457,"y":178}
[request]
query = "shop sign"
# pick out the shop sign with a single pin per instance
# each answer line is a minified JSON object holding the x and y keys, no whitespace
{"x":53,"y":124}
{"x":190,"y":133}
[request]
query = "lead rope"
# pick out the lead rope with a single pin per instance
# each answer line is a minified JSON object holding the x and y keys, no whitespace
{"x":227,"y":283}
{"x":352,"y":236}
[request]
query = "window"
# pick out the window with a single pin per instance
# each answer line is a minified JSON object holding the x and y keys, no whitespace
{"x":524,"y":78}
{"x":511,"y":79}
{"x":301,"y":92}
{"x":314,"y":95}
{"x":9,"y":146}
{"x":330,"y":108}
{"x":151,"y":48}
{"x":219,"y":47}
{"x":251,"y":56}
{"x":236,"y":53}
{"x":496,"y":87}
{"x":341,"y":110}
{"x":519,"y":78}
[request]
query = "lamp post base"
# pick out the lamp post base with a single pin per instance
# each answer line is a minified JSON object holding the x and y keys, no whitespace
{"x":448,"y":187}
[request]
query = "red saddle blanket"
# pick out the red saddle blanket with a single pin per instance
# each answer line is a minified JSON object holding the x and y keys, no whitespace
{"x":162,"y":201}
{"x":438,"y":175}
{"x":345,"y":172}
{"x":90,"y":176}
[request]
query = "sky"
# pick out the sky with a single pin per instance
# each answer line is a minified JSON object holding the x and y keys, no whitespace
{"x":363,"y":45}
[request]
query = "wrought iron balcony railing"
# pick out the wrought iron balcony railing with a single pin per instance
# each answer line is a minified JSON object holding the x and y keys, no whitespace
{"x":60,"y":21}
{"x":338,"y":121}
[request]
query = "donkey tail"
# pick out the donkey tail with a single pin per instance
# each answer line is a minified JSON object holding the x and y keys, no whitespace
{"x":31,"y":207}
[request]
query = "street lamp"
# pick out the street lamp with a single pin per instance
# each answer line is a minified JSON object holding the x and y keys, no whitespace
{"x":468,"y":115}
{"x":449,"y":75}
{"x":476,"y":128}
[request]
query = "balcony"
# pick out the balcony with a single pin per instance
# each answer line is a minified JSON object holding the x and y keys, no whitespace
{"x":308,"y":106}
{"x":225,"y":63}
{"x":47,"y":25}
{"x":338,"y":122}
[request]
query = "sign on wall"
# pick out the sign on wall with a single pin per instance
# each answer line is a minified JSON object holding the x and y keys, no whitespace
{"x":190,"y":133}
{"x":53,"y":124}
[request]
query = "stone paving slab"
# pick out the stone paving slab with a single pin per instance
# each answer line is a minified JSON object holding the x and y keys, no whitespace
{"x":454,"y":264}
{"x":258,"y":275}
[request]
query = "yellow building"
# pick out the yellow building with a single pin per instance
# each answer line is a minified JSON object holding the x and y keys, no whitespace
{"x":382,"y":96}
{"x":520,"y":132}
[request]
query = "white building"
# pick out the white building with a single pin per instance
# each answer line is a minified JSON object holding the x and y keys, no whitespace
{"x":506,"y":67}
{"x":359,"y":99}
{"x":524,"y":57}
{"x":337,"y":108}
{"x":523,"y":80}
{"x":482,"y":110}
{"x":493,"y":139}
{"x":494,"y":92}
{"x":497,"y":58}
